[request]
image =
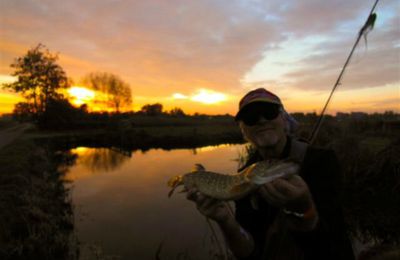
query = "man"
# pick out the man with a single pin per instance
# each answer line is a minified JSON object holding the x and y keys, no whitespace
{"x":297,"y":217}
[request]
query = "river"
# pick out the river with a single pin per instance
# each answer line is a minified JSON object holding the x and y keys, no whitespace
{"x":121,"y":206}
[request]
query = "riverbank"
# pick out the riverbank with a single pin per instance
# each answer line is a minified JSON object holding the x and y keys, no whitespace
{"x":143,"y":138}
{"x":36,"y":217}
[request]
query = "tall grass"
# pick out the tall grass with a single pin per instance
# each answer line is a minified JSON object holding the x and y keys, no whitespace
{"x":36,"y":220}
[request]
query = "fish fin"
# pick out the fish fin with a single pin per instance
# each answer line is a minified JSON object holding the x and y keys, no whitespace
{"x":254,"y":202}
{"x":198,"y":168}
{"x":239,"y":187}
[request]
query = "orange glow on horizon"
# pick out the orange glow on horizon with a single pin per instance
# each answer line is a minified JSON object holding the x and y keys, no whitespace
{"x":204,"y":96}
{"x":95,"y":100}
{"x":208,"y":101}
{"x":80,"y":95}
{"x":208,"y":97}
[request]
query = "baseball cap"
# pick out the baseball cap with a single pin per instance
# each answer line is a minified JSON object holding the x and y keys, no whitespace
{"x":257,"y":95}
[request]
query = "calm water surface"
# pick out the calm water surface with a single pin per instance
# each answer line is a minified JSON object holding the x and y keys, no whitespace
{"x":121,"y":204}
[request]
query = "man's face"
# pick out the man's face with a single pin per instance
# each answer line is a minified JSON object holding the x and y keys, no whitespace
{"x":262,"y":124}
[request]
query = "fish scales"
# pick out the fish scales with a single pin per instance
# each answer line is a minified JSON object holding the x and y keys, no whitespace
{"x":234,"y":186}
{"x":213,"y":184}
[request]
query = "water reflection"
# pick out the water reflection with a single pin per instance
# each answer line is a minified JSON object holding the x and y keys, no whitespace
{"x":132,"y":203}
{"x":208,"y":148}
{"x":98,"y":160}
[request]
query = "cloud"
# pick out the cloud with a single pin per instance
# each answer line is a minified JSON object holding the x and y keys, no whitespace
{"x":198,"y":43}
{"x":375,"y":63}
{"x":184,"y":45}
{"x":311,"y":58}
{"x":179,"y":96}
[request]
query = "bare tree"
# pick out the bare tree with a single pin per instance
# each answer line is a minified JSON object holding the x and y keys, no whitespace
{"x":118,"y":93}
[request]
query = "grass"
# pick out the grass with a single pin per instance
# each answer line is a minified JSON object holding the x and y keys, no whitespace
{"x":371,"y":188}
{"x":36,"y":215}
{"x":7,"y":122}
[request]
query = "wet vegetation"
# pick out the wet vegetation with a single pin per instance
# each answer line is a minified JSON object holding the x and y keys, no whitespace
{"x":36,"y":214}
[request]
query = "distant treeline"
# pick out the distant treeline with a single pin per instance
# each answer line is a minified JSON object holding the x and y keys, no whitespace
{"x":61,"y":115}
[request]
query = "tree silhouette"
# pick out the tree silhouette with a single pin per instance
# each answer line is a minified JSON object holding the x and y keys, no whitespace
{"x":118,"y":93}
{"x":38,"y":79}
{"x":23,"y":111}
{"x":152,"y":109}
{"x":177,"y":112}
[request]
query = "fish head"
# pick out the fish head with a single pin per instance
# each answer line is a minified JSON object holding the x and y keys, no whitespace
{"x":174,"y":182}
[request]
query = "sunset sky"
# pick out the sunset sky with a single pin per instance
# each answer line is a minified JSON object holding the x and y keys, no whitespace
{"x":203,"y":55}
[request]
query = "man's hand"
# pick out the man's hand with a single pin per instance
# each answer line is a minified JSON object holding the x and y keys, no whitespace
{"x":240,"y":242}
{"x":209,"y":207}
{"x":292,"y":194}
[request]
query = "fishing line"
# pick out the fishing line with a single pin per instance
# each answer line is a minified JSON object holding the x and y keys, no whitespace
{"x":214,"y":234}
{"x":369,"y":23}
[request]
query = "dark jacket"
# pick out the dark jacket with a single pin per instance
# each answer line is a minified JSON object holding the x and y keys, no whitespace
{"x":320,"y":170}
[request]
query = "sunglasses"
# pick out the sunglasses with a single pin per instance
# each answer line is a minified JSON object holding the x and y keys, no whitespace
{"x":251,"y":114}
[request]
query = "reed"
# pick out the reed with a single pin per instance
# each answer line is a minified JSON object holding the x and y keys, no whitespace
{"x":36,"y":213}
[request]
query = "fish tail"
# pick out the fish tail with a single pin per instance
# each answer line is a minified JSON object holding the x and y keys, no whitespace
{"x":259,"y":180}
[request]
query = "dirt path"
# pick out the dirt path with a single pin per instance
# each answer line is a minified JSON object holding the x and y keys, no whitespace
{"x":10,"y":134}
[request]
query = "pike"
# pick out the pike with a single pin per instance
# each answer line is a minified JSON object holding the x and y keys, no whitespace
{"x":233,"y":186}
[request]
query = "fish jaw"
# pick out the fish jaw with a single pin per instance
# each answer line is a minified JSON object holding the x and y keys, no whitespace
{"x":185,"y":179}
{"x":174,"y":182}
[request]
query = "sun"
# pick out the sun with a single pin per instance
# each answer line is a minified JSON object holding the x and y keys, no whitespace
{"x":80,"y":95}
{"x":206,"y":96}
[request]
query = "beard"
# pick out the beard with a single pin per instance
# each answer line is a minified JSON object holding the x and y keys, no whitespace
{"x":267,"y":140}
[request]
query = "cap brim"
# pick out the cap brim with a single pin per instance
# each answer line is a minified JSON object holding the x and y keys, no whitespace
{"x":258,"y":100}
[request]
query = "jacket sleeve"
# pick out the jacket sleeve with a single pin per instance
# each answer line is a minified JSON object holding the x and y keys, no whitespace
{"x":322,"y":173}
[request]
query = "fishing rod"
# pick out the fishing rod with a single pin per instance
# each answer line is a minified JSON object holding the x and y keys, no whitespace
{"x":369,"y":24}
